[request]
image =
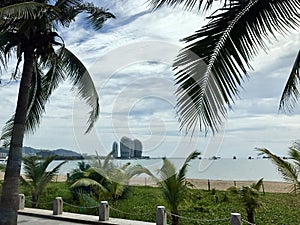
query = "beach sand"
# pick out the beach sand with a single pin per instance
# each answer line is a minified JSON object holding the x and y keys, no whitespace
{"x":269,"y":186}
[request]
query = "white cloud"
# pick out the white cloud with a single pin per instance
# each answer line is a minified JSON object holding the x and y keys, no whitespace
{"x":130,"y":62}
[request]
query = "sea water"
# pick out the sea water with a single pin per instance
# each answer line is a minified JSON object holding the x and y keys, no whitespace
{"x":220,"y":169}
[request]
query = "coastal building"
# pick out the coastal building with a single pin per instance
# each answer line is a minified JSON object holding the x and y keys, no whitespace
{"x":138,"y":148}
{"x":115,"y":150}
{"x":130,"y":148}
{"x":126,"y":147}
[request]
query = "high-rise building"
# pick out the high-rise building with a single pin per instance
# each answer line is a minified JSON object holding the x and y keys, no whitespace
{"x":138,"y":148}
{"x":115,"y":149}
{"x":126,"y":147}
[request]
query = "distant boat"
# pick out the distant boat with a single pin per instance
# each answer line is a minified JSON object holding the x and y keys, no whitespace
{"x":215,"y":157}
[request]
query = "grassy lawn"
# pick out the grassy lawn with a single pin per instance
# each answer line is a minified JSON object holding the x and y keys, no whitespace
{"x":139,"y":203}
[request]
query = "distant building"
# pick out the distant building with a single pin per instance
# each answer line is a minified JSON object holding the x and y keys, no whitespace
{"x":129,"y":148}
{"x":138,"y":148}
{"x":126,"y":147}
{"x":115,"y":150}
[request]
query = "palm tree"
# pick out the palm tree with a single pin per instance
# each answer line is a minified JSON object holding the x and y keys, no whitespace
{"x":290,"y":171}
{"x":211,"y":68}
{"x":249,"y":196}
{"x":37,"y":176}
{"x":29,"y":29}
{"x":107,"y":180}
{"x":174,"y":184}
{"x":78,"y":173}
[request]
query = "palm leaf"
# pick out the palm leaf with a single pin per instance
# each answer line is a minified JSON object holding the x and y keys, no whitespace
{"x":137,"y":170}
{"x":183,"y":169}
{"x":290,"y":94}
{"x":287,"y":170}
{"x":212,"y":67}
{"x":294,"y":153}
{"x":167,"y":170}
{"x":87,"y":182}
{"x":188,"y":4}
{"x":81,"y":79}
{"x":257,"y":186}
{"x":97,"y":16}
{"x":21,"y":11}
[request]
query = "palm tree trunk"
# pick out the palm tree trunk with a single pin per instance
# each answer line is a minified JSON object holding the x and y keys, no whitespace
{"x":10,"y":200}
{"x":34,"y":199}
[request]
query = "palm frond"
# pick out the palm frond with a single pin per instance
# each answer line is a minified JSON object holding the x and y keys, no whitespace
{"x":183,"y":169}
{"x":7,"y":132}
{"x":107,"y":160}
{"x":137,"y":170}
{"x":87,"y":182}
{"x":97,"y":16}
{"x":294,"y":153}
{"x":287,"y":170}
{"x":188,"y":4}
{"x":290,"y":95}
{"x":212,"y":68}
{"x":167,"y":170}
{"x":38,"y":98}
{"x":81,"y":79}
{"x":257,"y":186}
{"x":24,"y":11}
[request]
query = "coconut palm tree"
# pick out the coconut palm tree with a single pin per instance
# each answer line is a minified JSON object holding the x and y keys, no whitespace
{"x":250,"y":198}
{"x":290,"y":171}
{"x":212,"y":67}
{"x":174,"y":184}
{"x":107,"y":180}
{"x":28,"y":30}
{"x":37,"y":177}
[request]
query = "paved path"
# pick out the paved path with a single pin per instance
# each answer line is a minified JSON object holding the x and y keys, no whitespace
{"x":31,"y":220}
{"x":40,"y":216}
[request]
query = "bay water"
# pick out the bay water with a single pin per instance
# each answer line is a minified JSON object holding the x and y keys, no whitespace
{"x":220,"y":169}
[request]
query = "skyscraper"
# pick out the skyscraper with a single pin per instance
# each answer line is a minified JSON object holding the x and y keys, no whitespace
{"x":115,"y":149}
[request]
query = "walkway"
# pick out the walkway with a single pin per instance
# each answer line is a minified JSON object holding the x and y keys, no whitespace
{"x":30,"y":216}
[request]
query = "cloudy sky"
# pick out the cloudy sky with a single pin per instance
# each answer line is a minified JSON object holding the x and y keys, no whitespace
{"x":130,"y":62}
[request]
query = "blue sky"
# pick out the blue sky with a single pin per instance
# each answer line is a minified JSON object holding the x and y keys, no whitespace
{"x":130,"y":62}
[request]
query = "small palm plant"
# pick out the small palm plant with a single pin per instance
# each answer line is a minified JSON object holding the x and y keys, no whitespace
{"x":290,"y":171}
{"x":250,"y":197}
{"x":78,"y":173}
{"x":174,"y":184}
{"x":106,"y":180}
{"x":37,"y":176}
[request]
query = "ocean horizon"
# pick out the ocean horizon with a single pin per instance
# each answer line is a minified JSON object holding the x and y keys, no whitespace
{"x":220,"y":169}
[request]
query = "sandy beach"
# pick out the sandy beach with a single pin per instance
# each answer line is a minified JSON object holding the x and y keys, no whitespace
{"x":269,"y":186}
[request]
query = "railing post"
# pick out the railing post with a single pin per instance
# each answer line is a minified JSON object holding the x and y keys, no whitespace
{"x":103,"y":211}
{"x":235,"y":219}
{"x":58,"y":206}
{"x":21,"y":201}
{"x":161,"y":215}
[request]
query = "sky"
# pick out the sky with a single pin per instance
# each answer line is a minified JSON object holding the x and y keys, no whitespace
{"x":130,"y":62}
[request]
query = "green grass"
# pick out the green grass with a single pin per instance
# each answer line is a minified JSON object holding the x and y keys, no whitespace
{"x":139,"y":203}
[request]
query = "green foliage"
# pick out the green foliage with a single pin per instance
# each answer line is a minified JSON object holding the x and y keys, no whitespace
{"x":290,"y":171}
{"x":2,"y":167}
{"x":37,"y":176}
{"x":139,"y":203}
{"x":36,"y":31}
{"x":174,"y":185}
{"x":106,"y":181}
{"x":212,"y":67}
{"x":250,"y":198}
